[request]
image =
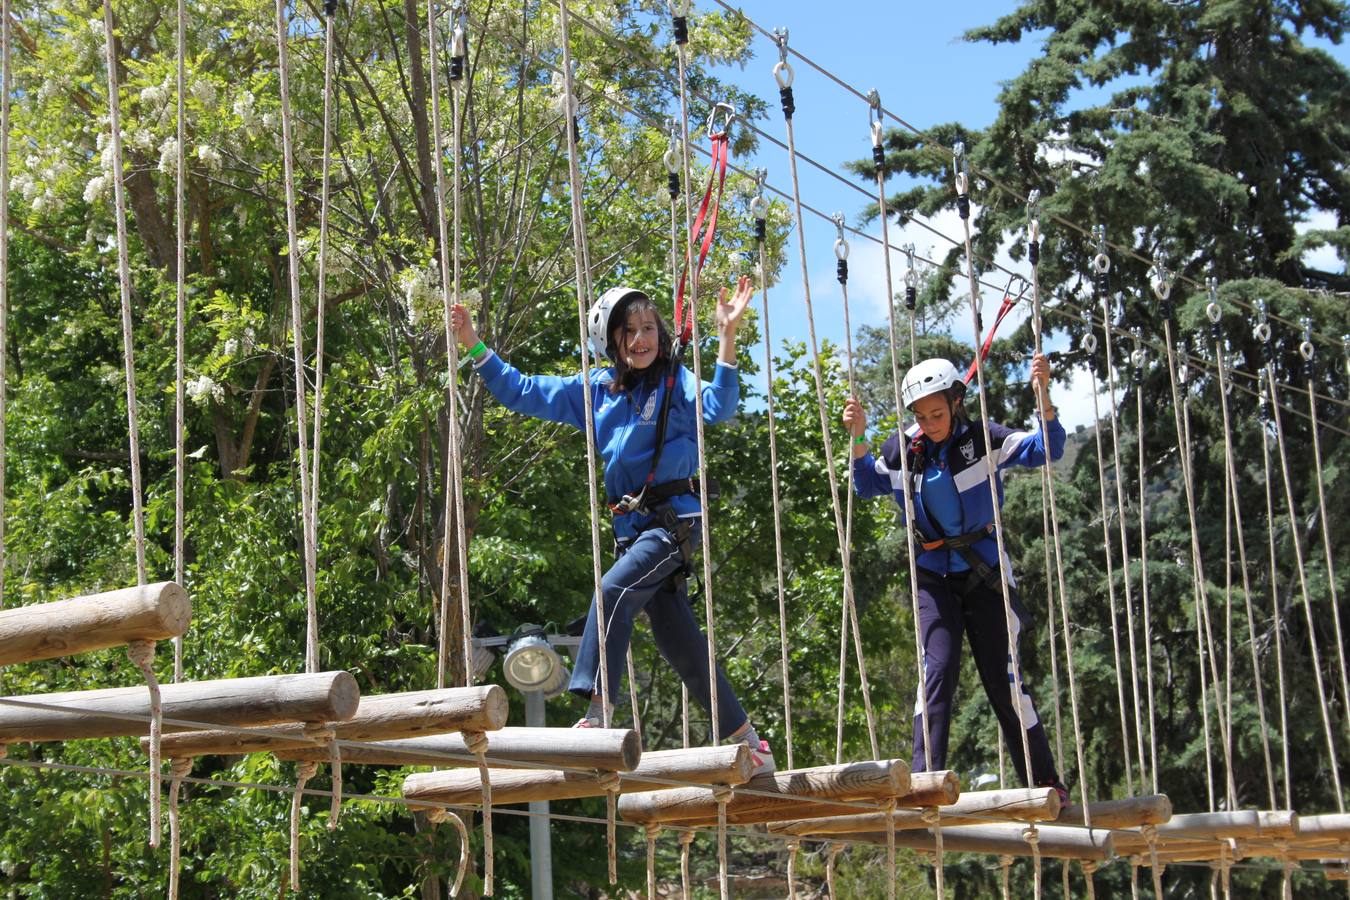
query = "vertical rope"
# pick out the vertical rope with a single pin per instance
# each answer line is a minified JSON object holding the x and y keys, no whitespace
{"x":794,"y":846}
{"x":1089,"y":345}
{"x":850,"y":607}
{"x":1014,"y":657}
{"x":1005,"y":867}
{"x":722,"y":794}
{"x":297,"y":331}
{"x":710,"y":625}
{"x":1138,"y":358}
{"x":303,"y":773}
{"x":686,"y":840}
{"x":1306,"y":348}
{"x":180,"y":325}
{"x":141,"y":654}
{"x":4,"y":268}
{"x":760,"y":209}
{"x":783,"y":75}
{"x":653,"y":831}
{"x":179,"y":768}
{"x":1121,"y":524}
{"x":1231,"y":503}
{"x":436,"y":816}
{"x":908,"y":487}
{"x":1277,"y":625}
{"x":1303,"y":587}
{"x":831,"y":855}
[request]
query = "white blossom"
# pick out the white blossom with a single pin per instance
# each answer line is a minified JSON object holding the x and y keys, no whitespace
{"x":155,"y":96}
{"x":142,"y":139}
{"x":231,"y":347}
{"x":95,"y":189}
{"x":205,"y":91}
{"x":168,"y":156}
{"x":203,"y":389}
{"x":210,"y":157}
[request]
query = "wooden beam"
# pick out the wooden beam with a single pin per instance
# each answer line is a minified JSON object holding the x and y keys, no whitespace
{"x":1132,"y":812}
{"x":382,"y":716}
{"x":1244,"y":823}
{"x":1005,"y":840}
{"x":1333,"y":827}
{"x":698,"y":764}
{"x":606,"y":749}
{"x":244,"y":702}
{"x":801,"y":789}
{"x":151,"y":612}
{"x":971,"y":808}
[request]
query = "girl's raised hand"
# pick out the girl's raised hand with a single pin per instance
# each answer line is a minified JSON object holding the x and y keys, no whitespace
{"x":855,"y":417}
{"x":729,"y":312}
{"x":461,"y":323}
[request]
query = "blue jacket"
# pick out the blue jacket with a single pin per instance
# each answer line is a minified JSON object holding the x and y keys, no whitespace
{"x":965,"y":460}
{"x":625,"y":423}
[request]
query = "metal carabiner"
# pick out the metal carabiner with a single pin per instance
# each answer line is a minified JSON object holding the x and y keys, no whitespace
{"x":726,"y":122}
{"x":961,"y":168}
{"x":1262,"y":330}
{"x":1089,"y":341}
{"x":759,"y":207}
{"x":1161,"y":278}
{"x":911,"y":276}
{"x":673,"y":153}
{"x":874,"y":116}
{"x":782,"y":72}
{"x":840,"y":242}
{"x":1306,"y":348}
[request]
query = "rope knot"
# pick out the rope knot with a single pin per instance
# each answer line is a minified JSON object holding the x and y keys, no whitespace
{"x":476,"y":742}
{"x":1031,"y":836}
{"x":142,"y":653}
{"x":609,"y":782}
{"x":305,"y":771}
{"x":179,"y":768}
{"x":687,"y":837}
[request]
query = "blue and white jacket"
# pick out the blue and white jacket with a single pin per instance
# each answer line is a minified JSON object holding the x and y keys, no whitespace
{"x":625,"y":423}
{"x":964,"y":463}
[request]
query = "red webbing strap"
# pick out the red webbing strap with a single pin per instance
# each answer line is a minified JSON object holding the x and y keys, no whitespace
{"x":1005,"y":307}
{"x":717,"y":177}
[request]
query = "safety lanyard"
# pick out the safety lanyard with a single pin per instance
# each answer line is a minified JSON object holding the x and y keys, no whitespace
{"x":708,"y":209}
{"x":1009,"y":301}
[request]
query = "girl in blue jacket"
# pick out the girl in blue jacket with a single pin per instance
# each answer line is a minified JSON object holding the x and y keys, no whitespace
{"x":656,"y":529}
{"x":959,"y":570}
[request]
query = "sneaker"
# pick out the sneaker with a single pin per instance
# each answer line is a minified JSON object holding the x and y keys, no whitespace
{"x":761,"y":758}
{"x":1061,"y":790}
{"x":587,"y":722}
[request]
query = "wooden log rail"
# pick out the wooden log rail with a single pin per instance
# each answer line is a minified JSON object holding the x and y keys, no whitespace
{"x":239,"y":702}
{"x":971,"y":808}
{"x":800,"y":790}
{"x":1131,"y":812}
{"x":703,"y":765}
{"x":405,"y":715}
{"x":1053,"y":841}
{"x":605,"y":749}
{"x":151,"y":612}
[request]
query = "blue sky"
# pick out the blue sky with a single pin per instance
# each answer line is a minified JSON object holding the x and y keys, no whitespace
{"x":913,"y":55}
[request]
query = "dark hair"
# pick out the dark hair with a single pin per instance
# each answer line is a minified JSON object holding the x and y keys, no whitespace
{"x":955,"y":394}
{"x":625,"y":378}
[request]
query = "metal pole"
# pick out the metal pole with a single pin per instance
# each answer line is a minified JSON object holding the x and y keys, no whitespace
{"x":541,"y":851}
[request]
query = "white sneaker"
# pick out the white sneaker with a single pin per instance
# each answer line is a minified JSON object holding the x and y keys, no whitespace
{"x":761,"y":758}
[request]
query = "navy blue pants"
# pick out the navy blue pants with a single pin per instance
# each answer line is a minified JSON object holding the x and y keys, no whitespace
{"x":641,"y":580}
{"x":948,"y":606}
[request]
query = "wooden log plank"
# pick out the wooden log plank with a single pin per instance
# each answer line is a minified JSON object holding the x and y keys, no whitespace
{"x":852,"y":781}
{"x":463,"y":786}
{"x":381,"y":716}
{"x":972,"y":808}
{"x":1332,"y":827}
{"x":1005,"y":840}
{"x":605,"y":749}
{"x":1131,"y":812}
{"x":1244,"y":823}
{"x":244,"y":702}
{"x":151,"y":612}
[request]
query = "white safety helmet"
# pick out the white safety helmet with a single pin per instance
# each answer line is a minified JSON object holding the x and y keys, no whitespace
{"x":598,"y":319}
{"x":929,"y":377}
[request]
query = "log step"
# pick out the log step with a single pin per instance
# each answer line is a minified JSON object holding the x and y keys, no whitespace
{"x":971,"y":808}
{"x":151,"y":612}
{"x":606,"y":749}
{"x":240,"y":702}
{"x":404,"y":715}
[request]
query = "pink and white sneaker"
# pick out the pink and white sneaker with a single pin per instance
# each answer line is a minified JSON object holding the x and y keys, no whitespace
{"x":587,"y":722}
{"x":761,"y":758}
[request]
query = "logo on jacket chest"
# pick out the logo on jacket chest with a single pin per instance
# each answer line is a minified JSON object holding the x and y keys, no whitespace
{"x":649,"y":409}
{"x":967,"y":449}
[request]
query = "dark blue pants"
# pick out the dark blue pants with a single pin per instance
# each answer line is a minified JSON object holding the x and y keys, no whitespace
{"x":641,"y":580}
{"x":948,"y":606}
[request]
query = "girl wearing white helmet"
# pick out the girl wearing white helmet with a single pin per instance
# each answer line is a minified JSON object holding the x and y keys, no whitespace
{"x":958,"y":564}
{"x":645,"y":428}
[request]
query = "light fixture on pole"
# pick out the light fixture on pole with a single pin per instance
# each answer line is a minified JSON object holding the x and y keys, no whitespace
{"x":531,"y":663}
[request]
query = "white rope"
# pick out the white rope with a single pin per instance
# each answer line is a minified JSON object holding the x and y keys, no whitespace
{"x":1235,"y":507}
{"x":1138,"y":358}
{"x":180,"y":323}
{"x":1277,"y":626}
{"x":142,"y":654}
{"x":653,"y":831}
{"x":178,"y":769}
{"x":1307,"y":603}
{"x":1089,"y":345}
{"x":303,"y":772}
{"x":710,"y":625}
{"x":686,"y":840}
{"x":760,"y":208}
{"x":783,"y":75}
{"x":4,"y":270}
{"x":794,"y":847}
{"x":436,"y":816}
{"x":831,"y":855}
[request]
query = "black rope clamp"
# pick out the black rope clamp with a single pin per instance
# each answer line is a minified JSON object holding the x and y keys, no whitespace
{"x":911,"y":279}
{"x":841,"y":271}
{"x":782,"y":73}
{"x":840,"y":249}
{"x":673,"y":184}
{"x":681,"y":26}
{"x":1034,"y":252}
{"x":330,"y":7}
{"x":759,"y":207}
{"x":458,"y":46}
